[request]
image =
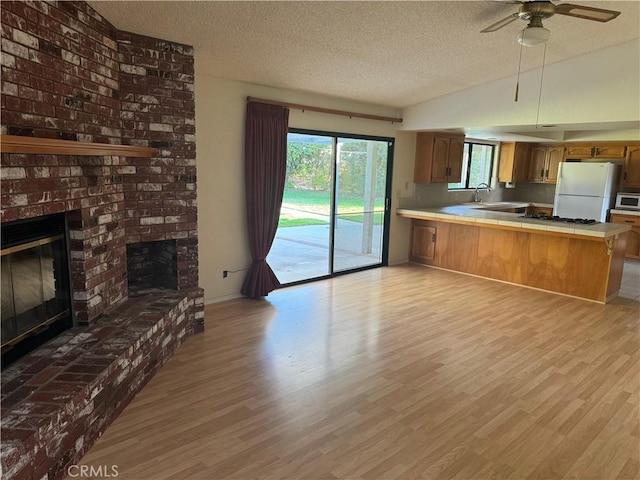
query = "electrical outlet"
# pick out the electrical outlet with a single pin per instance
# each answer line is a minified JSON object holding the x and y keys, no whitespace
{"x":225,"y":273}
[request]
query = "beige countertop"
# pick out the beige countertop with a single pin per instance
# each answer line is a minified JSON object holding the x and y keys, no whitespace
{"x":627,"y":212}
{"x":478,"y":213}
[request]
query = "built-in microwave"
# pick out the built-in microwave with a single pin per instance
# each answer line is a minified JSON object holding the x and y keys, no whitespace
{"x":628,"y":201}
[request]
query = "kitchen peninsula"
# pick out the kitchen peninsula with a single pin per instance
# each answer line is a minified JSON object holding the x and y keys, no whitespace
{"x":488,"y":240}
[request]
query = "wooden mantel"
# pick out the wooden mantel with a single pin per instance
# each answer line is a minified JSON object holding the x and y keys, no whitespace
{"x":52,"y":146}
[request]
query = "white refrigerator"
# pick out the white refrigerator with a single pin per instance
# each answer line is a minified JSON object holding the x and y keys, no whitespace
{"x":585,"y":190}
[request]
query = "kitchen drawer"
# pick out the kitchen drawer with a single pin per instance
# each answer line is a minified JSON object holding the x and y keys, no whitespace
{"x":633,"y":220}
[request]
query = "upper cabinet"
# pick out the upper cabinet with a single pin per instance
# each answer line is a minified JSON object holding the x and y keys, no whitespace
{"x":514,"y":160}
{"x":596,"y":150}
{"x":631,"y":175}
{"x":555,"y":155}
{"x":579,"y":151}
{"x":438,"y":158}
{"x":609,"y":151}
{"x":537,"y":161}
{"x":544,"y":161}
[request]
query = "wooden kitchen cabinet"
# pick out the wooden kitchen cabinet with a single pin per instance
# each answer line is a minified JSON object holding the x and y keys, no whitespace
{"x":631,"y":175}
{"x":423,"y":242}
{"x":579,"y":151}
{"x":537,"y":161}
{"x":514,"y":162}
{"x":633,"y":236}
{"x":438,"y":158}
{"x":596,"y":151}
{"x":456,"y":154}
{"x":555,"y":155}
{"x":609,"y":151}
{"x":540,"y":211}
{"x":542,"y":259}
{"x":544,"y":161}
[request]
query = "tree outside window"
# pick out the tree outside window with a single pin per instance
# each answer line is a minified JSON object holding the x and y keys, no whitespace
{"x":477,"y":162}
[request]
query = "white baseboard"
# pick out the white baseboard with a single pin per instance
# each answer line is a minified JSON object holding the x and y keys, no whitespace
{"x":399,"y":262}
{"x":209,"y":301}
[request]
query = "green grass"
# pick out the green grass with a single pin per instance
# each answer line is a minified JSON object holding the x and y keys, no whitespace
{"x":287,"y":221}
{"x":378,"y":217}
{"x":319,"y":202}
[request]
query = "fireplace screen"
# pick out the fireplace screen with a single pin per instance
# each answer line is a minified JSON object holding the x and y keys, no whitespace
{"x":35,"y":284}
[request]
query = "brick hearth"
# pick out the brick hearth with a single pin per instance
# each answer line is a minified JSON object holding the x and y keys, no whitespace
{"x":60,"y":399}
{"x":68,"y":73}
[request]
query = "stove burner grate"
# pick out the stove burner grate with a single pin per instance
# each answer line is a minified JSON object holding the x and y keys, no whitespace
{"x":555,"y":218}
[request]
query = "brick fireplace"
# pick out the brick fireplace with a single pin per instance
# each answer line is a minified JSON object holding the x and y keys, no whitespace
{"x":70,"y":78}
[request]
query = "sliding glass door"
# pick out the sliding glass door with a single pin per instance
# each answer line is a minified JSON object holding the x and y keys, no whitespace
{"x":302,"y":247}
{"x":334,"y":215}
{"x":360,"y":196}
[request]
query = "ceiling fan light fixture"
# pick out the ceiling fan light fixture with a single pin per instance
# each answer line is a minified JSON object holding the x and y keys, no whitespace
{"x":530,"y":36}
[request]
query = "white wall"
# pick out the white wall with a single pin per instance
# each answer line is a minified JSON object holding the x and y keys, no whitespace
{"x":597,"y":88}
{"x":601,"y":87}
{"x":220,"y":114}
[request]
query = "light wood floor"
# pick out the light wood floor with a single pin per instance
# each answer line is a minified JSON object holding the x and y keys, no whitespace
{"x":400,"y":372}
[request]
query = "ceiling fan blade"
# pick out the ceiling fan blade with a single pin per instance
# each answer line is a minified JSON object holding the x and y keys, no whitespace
{"x":588,"y":13}
{"x":501,"y":23}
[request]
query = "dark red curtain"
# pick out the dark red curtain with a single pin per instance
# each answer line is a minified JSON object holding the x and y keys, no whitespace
{"x":265,"y":163}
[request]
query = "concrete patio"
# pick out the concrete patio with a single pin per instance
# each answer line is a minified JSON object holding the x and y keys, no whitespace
{"x":302,"y":252}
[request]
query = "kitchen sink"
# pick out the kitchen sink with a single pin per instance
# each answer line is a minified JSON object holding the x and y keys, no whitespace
{"x":517,"y":207}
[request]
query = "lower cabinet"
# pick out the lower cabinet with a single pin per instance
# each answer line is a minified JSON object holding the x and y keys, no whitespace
{"x":633,"y":236}
{"x":577,"y":265}
{"x":423,"y":242}
{"x":540,"y":211}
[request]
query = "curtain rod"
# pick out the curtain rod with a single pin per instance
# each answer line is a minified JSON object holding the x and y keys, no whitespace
{"x":324,"y":110}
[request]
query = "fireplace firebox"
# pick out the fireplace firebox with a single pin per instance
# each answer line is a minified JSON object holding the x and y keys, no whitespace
{"x":152,"y":265}
{"x":35,"y":293}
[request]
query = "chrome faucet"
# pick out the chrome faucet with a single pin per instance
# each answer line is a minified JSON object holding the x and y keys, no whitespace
{"x":476,"y":197}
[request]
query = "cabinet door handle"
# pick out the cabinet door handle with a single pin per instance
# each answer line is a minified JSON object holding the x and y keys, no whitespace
{"x":629,"y":221}
{"x":593,"y":150}
{"x":433,"y":238}
{"x":542,"y":173}
{"x":546,"y":175}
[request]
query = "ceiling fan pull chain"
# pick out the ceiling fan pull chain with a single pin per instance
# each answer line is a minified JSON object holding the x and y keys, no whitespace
{"x":544,"y":58}
{"x":518,"y":78}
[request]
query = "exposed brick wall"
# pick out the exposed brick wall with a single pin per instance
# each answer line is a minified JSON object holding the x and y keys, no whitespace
{"x":158,"y":110}
{"x":60,"y":71}
{"x":68,"y":73}
{"x":97,"y":247}
{"x":66,"y":70}
{"x":87,"y":189}
{"x":60,"y":79}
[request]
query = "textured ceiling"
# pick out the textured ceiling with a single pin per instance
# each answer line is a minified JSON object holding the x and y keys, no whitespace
{"x":391,"y":53}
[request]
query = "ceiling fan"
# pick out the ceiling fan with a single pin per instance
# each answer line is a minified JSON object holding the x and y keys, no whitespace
{"x":535,"y":11}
